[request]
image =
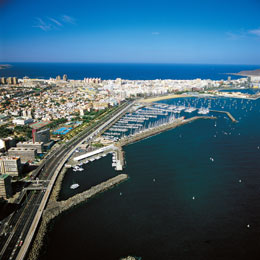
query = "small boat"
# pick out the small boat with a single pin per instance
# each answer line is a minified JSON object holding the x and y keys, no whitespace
{"x":74,"y":186}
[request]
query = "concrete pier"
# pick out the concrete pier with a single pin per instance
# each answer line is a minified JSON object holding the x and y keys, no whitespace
{"x":227,"y":113}
{"x":98,"y":153}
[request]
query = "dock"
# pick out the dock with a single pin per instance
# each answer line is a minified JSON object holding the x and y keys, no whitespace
{"x":227,"y":113}
{"x":116,"y":150}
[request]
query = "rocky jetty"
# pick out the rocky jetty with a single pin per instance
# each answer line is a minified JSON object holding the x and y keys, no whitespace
{"x":54,"y":207}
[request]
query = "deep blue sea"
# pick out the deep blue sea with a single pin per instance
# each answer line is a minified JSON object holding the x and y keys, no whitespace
{"x":125,"y":71}
{"x":153,"y":215}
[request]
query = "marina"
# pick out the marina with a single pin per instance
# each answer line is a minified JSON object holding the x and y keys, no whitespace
{"x":217,"y":136}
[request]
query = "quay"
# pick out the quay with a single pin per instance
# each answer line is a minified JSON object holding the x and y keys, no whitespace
{"x":156,"y":130}
{"x":116,"y":150}
{"x":227,"y":113}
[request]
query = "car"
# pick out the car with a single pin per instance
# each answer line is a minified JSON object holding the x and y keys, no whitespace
{"x":21,"y":242}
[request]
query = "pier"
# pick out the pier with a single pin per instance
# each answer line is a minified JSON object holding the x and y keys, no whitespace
{"x":156,"y":130}
{"x":116,"y":150}
{"x":227,"y":113}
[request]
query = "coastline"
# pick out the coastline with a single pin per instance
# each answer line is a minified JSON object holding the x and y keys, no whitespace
{"x":154,"y":99}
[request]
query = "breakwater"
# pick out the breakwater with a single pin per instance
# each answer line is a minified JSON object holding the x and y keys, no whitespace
{"x":159,"y":129}
{"x":54,"y":208}
{"x":227,"y":113}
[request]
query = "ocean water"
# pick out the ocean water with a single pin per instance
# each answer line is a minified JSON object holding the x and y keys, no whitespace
{"x":125,"y":71}
{"x":153,"y":215}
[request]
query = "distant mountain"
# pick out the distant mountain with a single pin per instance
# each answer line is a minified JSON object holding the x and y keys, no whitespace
{"x":249,"y":73}
{"x":4,"y":66}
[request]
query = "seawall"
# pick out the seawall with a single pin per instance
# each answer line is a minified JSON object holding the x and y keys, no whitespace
{"x":55,"y":208}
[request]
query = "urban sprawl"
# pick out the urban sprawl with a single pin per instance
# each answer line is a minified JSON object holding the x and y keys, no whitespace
{"x":36,"y":115}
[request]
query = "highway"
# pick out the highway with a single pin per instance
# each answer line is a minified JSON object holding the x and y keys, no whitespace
{"x":21,"y":221}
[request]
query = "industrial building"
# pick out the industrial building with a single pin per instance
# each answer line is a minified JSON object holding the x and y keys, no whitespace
{"x":41,"y":135}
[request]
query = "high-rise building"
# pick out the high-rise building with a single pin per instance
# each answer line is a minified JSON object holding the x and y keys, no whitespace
{"x":24,"y":113}
{"x":3,"y":80}
{"x":10,"y":165}
{"x":10,"y":80}
{"x":58,"y":77}
{"x":41,"y":135}
{"x":65,"y":77}
{"x":5,"y":186}
{"x":15,"y":80}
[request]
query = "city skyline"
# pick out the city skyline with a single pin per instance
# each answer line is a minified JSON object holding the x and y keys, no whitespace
{"x":138,"y":32}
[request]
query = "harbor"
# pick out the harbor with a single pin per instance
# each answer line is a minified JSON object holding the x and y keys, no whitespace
{"x":207,"y":169}
{"x":141,"y":122}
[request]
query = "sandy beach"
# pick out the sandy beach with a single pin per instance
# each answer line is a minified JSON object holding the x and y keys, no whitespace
{"x":154,"y":99}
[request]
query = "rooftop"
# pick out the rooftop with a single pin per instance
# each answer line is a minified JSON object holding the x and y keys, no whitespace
{"x":3,"y":176}
{"x":21,"y":149}
{"x":9,"y":158}
{"x":40,"y":124}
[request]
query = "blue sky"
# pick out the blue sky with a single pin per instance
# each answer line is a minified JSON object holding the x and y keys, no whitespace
{"x":139,"y":31}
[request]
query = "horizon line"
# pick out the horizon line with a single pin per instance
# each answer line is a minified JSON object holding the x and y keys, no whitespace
{"x":134,"y":63}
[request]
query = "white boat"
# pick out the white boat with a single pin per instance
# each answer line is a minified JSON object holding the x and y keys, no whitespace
{"x":74,"y":186}
{"x":190,"y":109}
{"x":203,"y":111}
